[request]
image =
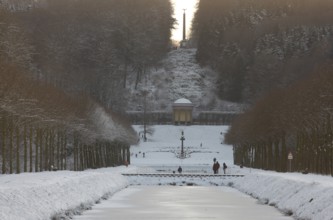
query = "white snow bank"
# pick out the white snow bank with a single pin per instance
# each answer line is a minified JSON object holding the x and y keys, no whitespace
{"x":33,"y":196}
{"x":303,"y":196}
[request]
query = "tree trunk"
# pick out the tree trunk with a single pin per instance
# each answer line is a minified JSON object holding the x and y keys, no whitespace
{"x":51,"y":151}
{"x":41,"y":150}
{"x":11,"y":146}
{"x":18,"y":165}
{"x":270,"y":158}
{"x":138,"y":76}
{"x":277,"y":155}
{"x":65,"y":152}
{"x":30,"y":146}
{"x":75,"y":152}
{"x":128,"y":155}
{"x":62,"y":152}
{"x":25,"y":149}
{"x":283,"y":155}
{"x":46,"y":150}
{"x":4,"y":139}
{"x":36,"y":151}
{"x":81,"y":157}
{"x":58,"y":149}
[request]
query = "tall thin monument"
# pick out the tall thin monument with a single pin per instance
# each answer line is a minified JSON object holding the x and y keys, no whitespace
{"x":184,"y":25}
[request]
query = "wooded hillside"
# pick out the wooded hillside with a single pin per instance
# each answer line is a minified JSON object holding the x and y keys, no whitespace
{"x":260,"y":45}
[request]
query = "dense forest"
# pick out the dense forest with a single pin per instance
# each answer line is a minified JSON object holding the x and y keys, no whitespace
{"x":277,"y":56}
{"x":63,"y":68}
{"x":260,"y":45}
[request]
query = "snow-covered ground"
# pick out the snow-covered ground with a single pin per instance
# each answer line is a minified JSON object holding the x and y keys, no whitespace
{"x":201,"y":145}
{"x":63,"y":193}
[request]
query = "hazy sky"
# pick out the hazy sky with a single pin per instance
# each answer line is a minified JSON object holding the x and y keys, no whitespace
{"x":179,"y":5}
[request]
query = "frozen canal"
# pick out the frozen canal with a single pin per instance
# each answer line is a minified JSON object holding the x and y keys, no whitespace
{"x":181,"y":202}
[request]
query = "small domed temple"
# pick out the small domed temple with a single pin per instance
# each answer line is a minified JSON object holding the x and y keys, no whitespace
{"x":182,"y":112}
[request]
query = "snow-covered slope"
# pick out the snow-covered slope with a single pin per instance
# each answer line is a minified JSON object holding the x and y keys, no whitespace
{"x":40,"y":196}
{"x":307,"y":197}
{"x":179,"y":76}
{"x":186,"y":78}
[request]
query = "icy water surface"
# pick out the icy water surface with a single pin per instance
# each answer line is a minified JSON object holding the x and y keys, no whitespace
{"x":181,"y":202}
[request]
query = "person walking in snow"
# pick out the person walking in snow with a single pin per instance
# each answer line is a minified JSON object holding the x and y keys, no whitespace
{"x":216,"y":166}
{"x":224,"y":168}
{"x":180,"y":169}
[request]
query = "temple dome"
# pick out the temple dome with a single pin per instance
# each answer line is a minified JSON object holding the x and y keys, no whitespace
{"x":183,"y":101}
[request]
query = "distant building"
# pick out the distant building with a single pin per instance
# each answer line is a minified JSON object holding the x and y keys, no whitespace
{"x":182,"y":111}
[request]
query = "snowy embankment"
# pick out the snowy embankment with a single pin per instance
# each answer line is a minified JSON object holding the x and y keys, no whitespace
{"x":302,"y":196}
{"x":308,"y":197}
{"x":58,"y":195}
{"x":55,"y":195}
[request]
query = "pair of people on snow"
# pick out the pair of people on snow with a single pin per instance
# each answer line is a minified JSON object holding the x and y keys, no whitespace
{"x":216,"y":167}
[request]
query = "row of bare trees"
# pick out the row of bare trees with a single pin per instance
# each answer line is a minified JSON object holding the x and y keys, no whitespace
{"x":44,"y":125}
{"x":46,"y":149}
{"x":260,"y":45}
{"x":295,"y":120}
{"x":42,"y":128}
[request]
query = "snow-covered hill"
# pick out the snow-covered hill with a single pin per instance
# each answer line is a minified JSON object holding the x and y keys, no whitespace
{"x":179,"y":76}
